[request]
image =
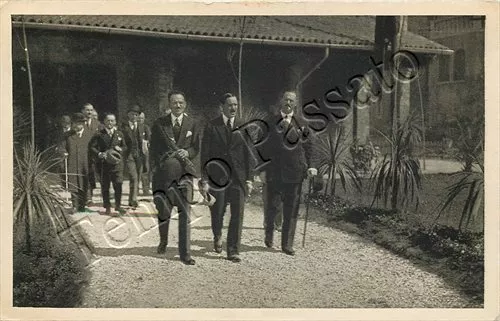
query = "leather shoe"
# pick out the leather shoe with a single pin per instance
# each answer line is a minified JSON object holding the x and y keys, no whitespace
{"x":218,"y":246}
{"x":120,"y":210}
{"x":234,"y":258}
{"x":269,"y":244}
{"x":133,"y":204}
{"x":161,"y":249}
{"x":289,"y":251}
{"x":188,"y":261}
{"x":108,"y":211}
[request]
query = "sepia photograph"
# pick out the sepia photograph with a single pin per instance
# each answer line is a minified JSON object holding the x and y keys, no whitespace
{"x":261,"y":161}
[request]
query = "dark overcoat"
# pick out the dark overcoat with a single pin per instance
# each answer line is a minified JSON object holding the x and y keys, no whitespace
{"x":78,"y":162}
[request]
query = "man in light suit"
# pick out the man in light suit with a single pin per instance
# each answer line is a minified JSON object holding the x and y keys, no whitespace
{"x":227,"y":173}
{"x":290,"y":151}
{"x":175,"y":142}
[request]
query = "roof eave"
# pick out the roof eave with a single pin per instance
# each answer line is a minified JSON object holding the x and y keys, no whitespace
{"x":169,"y":35}
{"x":180,"y":36}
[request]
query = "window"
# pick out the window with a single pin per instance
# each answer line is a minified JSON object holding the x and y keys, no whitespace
{"x":459,"y":65}
{"x":444,"y":68}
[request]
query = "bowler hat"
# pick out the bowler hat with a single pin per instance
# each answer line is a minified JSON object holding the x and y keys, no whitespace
{"x":79,"y":118}
{"x":135,"y":109}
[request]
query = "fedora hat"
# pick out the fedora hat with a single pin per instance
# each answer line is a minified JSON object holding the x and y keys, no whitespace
{"x":78,"y":118}
{"x":135,"y":109}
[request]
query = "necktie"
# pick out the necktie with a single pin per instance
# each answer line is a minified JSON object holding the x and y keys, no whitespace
{"x":228,"y":124}
{"x":177,"y":129}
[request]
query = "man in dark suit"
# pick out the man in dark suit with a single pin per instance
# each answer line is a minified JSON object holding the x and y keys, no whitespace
{"x":289,"y":149}
{"x":108,"y":147}
{"x":175,"y":142}
{"x":227,"y":173}
{"x":76,"y":149}
{"x":92,"y":126}
{"x":134,"y":157}
{"x":146,"y":172}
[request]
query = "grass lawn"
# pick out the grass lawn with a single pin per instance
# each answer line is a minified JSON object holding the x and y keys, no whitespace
{"x":432,"y":196}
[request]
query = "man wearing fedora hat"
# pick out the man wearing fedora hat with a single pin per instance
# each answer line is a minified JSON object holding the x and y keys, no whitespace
{"x":108,"y":147}
{"x":134,"y":134}
{"x":76,"y":147}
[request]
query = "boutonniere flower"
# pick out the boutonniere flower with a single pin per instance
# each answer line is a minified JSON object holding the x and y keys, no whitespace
{"x":189,"y":133}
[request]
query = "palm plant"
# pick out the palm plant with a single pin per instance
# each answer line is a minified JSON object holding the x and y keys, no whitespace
{"x":398,"y":178}
{"x":21,"y":125}
{"x":469,"y":133}
{"x":332,"y":157}
{"x":35,"y":202}
{"x":470,"y":182}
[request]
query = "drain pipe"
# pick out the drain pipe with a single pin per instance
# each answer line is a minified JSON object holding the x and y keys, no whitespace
{"x":316,"y":67}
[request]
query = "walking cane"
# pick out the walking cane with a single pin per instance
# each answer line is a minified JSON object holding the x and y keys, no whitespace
{"x":307,"y":213}
{"x":66,"y":177}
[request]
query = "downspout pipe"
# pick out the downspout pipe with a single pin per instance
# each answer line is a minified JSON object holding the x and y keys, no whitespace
{"x":316,"y":67}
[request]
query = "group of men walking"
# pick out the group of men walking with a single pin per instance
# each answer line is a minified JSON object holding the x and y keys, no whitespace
{"x":227,"y":168}
{"x":95,"y":151}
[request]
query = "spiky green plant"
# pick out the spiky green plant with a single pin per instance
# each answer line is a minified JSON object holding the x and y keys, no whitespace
{"x":21,"y":125}
{"x":35,"y":202}
{"x":470,"y":182}
{"x":397,"y":179}
{"x":332,"y":157}
{"x":468,"y":132}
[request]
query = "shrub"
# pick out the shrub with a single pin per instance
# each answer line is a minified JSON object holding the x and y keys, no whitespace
{"x":363,"y":157}
{"x":51,"y":274}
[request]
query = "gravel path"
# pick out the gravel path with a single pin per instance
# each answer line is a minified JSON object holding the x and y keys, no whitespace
{"x":335,"y":270}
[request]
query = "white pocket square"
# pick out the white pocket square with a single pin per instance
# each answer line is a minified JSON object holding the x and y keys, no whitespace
{"x":189,"y":133}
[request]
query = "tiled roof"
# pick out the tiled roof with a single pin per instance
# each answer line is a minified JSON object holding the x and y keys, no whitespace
{"x":352,"y":32}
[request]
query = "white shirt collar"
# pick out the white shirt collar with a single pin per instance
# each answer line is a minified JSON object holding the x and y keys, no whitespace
{"x":110,"y":131}
{"x":283,"y":115}
{"x":80,"y":133}
{"x":174,"y":118}
{"x":225,"y":119}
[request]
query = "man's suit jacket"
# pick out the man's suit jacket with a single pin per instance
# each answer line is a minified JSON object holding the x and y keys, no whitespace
{"x":189,"y":139}
{"x":101,"y":143}
{"x":95,"y":126}
{"x":147,"y":137}
{"x":221,"y":146}
{"x":290,"y":150}
{"x":78,"y":162}
{"x":134,"y":139}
